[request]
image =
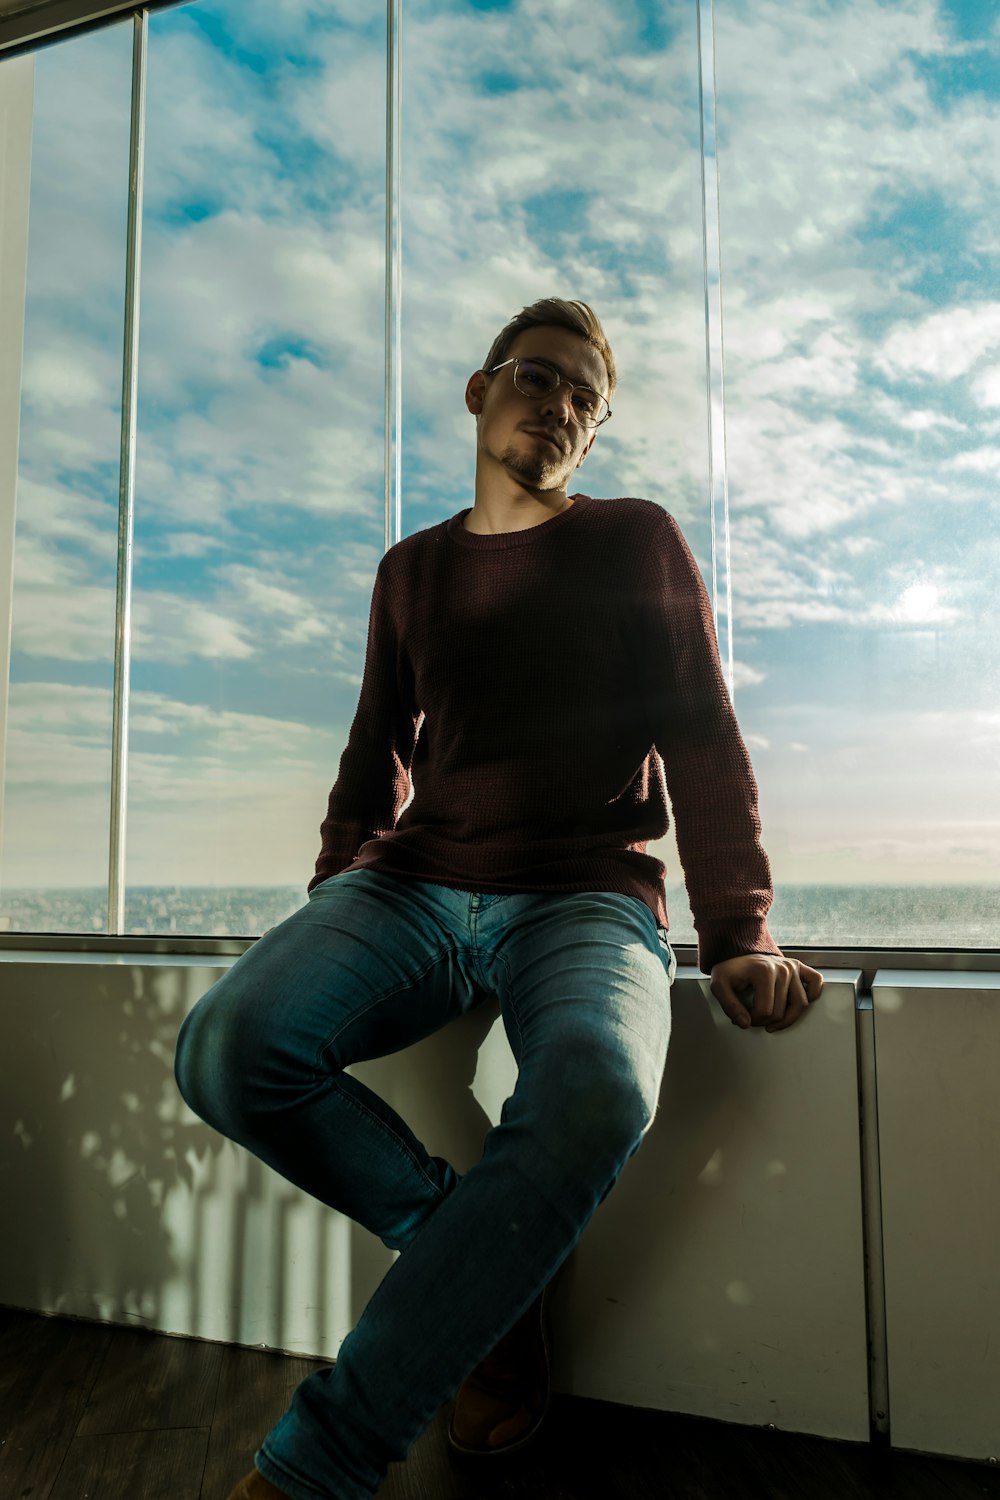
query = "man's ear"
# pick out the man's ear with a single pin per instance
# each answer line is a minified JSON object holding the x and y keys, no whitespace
{"x":475,"y":392}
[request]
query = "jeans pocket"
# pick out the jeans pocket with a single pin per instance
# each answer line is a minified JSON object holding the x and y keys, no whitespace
{"x":667,"y":952}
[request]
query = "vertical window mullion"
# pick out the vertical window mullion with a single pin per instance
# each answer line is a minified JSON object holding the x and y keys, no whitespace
{"x":718,"y":475}
{"x":393,"y":266}
{"x":126,"y":486}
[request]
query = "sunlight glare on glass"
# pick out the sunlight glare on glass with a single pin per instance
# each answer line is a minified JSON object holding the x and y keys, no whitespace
{"x":919,"y":601}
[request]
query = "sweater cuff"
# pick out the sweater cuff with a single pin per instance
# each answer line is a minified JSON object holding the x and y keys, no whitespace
{"x":718,"y":941}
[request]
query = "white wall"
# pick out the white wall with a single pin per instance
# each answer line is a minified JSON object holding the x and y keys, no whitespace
{"x":938,"y":1056}
{"x":724,"y":1275}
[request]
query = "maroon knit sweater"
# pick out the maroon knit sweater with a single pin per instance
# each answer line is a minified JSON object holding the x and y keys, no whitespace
{"x":533,"y":687}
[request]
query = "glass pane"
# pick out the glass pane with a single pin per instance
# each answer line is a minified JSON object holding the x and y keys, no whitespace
{"x":556,"y":160}
{"x":58,"y":763}
{"x":860,"y":161}
{"x":259,"y":515}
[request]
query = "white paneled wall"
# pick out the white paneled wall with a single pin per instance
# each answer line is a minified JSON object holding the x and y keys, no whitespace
{"x":724,"y":1276}
{"x":937,"y":1041}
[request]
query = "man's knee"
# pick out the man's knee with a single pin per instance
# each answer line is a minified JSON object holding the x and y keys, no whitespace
{"x":619,"y":1112}
{"x":598,"y":1111}
{"x":206,"y":1067}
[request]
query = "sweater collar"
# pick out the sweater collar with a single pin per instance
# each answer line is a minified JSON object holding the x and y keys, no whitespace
{"x":501,"y":541}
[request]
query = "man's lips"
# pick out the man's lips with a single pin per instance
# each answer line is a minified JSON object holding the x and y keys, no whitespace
{"x":548,"y":436}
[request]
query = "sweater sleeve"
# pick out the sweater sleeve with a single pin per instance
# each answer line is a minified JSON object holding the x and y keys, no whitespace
{"x":374,"y":780}
{"x":709,"y":777}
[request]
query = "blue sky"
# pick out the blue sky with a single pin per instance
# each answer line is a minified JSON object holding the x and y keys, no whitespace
{"x":549,"y":148}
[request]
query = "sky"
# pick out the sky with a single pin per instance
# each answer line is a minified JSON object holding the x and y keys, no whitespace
{"x":549,"y":148}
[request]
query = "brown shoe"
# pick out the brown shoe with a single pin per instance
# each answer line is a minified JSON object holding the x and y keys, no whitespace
{"x":502,"y":1404}
{"x":254,"y":1486}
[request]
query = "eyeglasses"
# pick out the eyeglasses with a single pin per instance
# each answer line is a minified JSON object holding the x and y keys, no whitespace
{"x":536,"y":377}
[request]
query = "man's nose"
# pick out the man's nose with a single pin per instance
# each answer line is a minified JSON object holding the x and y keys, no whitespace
{"x":559,"y":401}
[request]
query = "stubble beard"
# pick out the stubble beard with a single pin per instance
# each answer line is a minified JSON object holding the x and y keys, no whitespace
{"x":532,"y":467}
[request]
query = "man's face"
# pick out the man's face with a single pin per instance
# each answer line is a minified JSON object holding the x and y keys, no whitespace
{"x":511,"y":426}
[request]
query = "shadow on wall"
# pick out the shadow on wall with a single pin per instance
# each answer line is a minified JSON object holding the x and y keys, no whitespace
{"x":122,"y":1205}
{"x":97,"y":1139}
{"x":693,"y":1289}
{"x":94,"y":1143}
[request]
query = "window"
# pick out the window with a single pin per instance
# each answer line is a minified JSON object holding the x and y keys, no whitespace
{"x":859,"y":149}
{"x":260,"y":444}
{"x":834,"y":467}
{"x":258,"y":519}
{"x":58,"y":753}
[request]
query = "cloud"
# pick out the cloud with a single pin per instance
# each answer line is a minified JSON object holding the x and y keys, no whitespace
{"x":58,"y":617}
{"x":746,"y":676}
{"x":986,"y":386}
{"x":769,"y":592}
{"x":185,"y":544}
{"x":199,"y":811}
{"x":64,"y":531}
{"x":262,"y":595}
{"x":910,"y":418}
{"x":37,"y":707}
{"x":218,"y":430}
{"x":944,"y":345}
{"x":809,"y":179}
{"x":915,"y":855}
{"x":57,"y":379}
{"x":854,"y":129}
{"x":827,"y":368}
{"x":170,"y":628}
{"x":979,"y":460}
{"x":342,"y":104}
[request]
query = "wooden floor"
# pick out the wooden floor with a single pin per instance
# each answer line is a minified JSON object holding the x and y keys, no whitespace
{"x":89,"y":1412}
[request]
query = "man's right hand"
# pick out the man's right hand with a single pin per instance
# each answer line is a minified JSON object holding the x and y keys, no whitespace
{"x":782,"y":989}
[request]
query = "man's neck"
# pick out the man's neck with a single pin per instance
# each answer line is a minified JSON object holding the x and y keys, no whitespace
{"x":490,"y":520}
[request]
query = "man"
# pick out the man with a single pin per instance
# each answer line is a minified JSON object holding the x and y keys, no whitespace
{"x":534,"y":666}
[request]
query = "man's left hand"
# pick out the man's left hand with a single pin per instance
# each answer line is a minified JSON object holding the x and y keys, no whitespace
{"x":782,"y":989}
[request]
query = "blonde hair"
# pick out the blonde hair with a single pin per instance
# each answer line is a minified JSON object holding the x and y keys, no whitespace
{"x":576,"y":316}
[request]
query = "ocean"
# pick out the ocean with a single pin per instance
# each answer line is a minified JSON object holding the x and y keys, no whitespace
{"x":829,"y":916}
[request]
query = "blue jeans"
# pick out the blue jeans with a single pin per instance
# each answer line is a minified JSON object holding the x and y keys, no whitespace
{"x":372,"y":963}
